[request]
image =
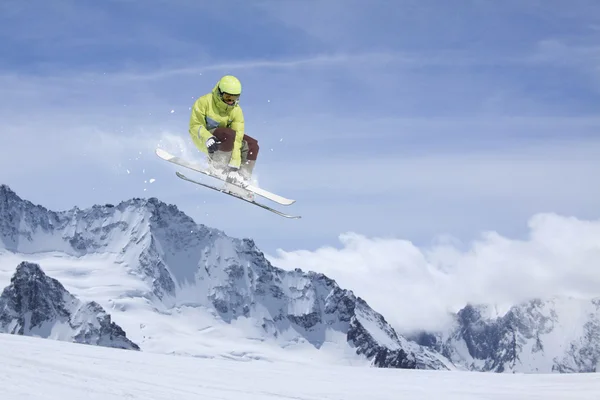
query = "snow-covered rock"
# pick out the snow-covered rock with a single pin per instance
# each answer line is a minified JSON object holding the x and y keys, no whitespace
{"x":36,"y":305}
{"x":180,"y":265}
{"x":554,"y":335}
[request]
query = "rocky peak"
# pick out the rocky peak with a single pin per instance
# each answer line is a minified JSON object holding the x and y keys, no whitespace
{"x":6,"y":193}
{"x":35,"y":304}
{"x":5,"y":190}
{"x":34,"y":294}
{"x":553,"y":335}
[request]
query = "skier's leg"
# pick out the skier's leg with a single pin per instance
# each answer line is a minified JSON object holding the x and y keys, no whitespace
{"x":220,"y":158}
{"x":249,"y":155}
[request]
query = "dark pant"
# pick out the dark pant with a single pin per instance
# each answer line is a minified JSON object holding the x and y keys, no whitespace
{"x":227,"y":136}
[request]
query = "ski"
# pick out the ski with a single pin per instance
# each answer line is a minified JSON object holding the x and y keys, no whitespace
{"x":236,"y":195}
{"x":199,"y":168}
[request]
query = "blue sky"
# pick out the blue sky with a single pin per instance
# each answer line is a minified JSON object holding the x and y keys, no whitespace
{"x":404,"y":119}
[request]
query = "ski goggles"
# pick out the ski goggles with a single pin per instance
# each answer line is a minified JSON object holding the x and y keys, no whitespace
{"x":230,"y":98}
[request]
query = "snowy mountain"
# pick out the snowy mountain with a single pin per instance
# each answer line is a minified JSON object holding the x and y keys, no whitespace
{"x":555,"y":335}
{"x":37,"y":305}
{"x":179,"y":287}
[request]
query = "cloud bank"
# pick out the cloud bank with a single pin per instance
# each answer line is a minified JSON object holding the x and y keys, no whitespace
{"x":417,"y":287}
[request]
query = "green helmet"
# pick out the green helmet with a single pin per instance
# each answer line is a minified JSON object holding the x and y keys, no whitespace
{"x":230,"y":84}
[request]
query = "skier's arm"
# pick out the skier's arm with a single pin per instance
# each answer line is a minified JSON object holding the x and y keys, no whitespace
{"x":198,"y":130}
{"x":237,"y":124}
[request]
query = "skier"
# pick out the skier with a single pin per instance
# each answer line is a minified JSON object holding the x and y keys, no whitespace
{"x":217,"y":129}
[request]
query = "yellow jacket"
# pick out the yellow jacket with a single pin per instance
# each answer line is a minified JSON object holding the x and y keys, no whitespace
{"x":210,"y":112}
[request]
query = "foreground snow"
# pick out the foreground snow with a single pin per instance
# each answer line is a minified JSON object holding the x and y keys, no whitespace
{"x":49,"y":369}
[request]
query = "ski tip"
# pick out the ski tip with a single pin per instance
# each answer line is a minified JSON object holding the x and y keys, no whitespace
{"x":162,"y":153}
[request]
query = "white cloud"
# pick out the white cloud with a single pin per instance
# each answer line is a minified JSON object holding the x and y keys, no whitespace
{"x":323,"y":60}
{"x":361,"y":61}
{"x":415,"y":287}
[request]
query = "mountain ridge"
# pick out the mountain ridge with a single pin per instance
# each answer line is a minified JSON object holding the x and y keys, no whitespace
{"x":559,"y":334}
{"x":185,"y":264}
{"x":162,"y":262}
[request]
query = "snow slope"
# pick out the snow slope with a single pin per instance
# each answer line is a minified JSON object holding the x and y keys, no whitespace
{"x":52,"y":370}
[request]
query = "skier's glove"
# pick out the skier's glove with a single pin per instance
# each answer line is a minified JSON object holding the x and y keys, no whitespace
{"x":212,"y":144}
